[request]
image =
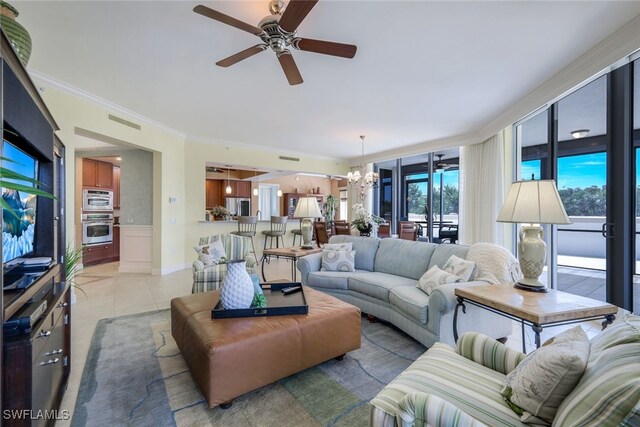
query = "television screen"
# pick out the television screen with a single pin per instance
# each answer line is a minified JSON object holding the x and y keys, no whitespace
{"x":19,"y":213}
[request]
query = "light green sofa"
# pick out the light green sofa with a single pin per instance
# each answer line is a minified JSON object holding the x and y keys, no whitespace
{"x":461,"y":387}
{"x":384,"y":285}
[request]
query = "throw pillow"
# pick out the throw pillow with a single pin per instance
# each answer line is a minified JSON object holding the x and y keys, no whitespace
{"x":347,"y":246}
{"x":211,"y":253}
{"x":460,"y":267}
{"x":539,"y":384}
{"x":338,"y":260}
{"x":435,"y":277}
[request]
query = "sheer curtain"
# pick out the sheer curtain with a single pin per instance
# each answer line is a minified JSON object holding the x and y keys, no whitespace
{"x":481,"y":191}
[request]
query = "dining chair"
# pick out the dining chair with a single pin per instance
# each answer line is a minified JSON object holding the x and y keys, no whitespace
{"x":448,"y":232}
{"x":384,"y":230}
{"x":408,"y":230}
{"x":320,"y":230}
{"x":342,"y":228}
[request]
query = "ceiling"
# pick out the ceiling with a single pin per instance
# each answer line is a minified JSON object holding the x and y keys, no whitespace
{"x":424,"y":70}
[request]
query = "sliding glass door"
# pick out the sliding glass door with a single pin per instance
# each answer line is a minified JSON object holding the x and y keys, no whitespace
{"x":588,"y":143}
{"x":581,"y":180}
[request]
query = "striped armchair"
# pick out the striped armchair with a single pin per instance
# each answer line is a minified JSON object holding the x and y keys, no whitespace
{"x":210,"y":278}
{"x":462,"y":387}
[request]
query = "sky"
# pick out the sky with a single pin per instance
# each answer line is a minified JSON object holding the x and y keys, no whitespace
{"x":449,"y":177}
{"x":576,"y":171}
{"x":22,"y":163}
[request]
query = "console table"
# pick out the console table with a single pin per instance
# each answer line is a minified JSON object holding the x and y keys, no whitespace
{"x":538,"y":310}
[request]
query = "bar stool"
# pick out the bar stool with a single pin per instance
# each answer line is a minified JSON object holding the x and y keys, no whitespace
{"x":247,"y":228}
{"x":296,"y":233}
{"x":278,"y":230}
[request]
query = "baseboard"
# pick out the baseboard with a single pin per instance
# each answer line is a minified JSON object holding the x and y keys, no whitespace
{"x":168,"y":270}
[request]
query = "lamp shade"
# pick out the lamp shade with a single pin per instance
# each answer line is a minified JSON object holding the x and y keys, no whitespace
{"x":534,"y":202}
{"x":307,"y":207}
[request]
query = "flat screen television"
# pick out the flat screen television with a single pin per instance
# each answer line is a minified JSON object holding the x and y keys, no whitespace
{"x":19,"y":227}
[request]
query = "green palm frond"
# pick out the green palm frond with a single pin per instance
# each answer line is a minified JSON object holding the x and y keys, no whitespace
{"x":72,"y":260}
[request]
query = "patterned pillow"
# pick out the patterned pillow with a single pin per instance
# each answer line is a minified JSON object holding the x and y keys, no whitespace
{"x":435,"y":277}
{"x":333,"y":260}
{"x":211,"y":253}
{"x":348,"y":246}
{"x":460,"y":267}
{"x":539,"y":384}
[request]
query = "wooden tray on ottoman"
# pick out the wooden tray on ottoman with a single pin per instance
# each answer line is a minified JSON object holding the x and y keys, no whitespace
{"x":278,"y":304}
{"x":230,"y":357}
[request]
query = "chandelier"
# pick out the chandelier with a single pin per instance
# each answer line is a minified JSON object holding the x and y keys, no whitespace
{"x":361,"y":180}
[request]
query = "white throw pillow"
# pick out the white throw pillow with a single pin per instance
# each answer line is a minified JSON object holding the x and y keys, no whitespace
{"x":211,"y":253}
{"x":435,"y":277}
{"x":539,"y":384}
{"x":460,"y":267}
{"x":333,"y":260}
{"x":347,"y":246}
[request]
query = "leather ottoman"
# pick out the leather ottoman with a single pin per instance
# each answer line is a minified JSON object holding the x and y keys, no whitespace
{"x":230,"y":357}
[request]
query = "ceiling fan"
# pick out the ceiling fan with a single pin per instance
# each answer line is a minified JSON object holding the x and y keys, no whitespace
{"x":278,"y":32}
{"x":442,"y":166}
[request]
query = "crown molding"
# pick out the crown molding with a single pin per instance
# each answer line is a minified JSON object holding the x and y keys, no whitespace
{"x":46,"y":80}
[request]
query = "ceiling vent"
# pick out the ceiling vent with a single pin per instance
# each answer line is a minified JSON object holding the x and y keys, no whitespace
{"x":291,"y":159}
{"x":124,"y":122}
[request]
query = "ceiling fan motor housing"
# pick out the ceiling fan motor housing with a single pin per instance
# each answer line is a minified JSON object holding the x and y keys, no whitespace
{"x":274,"y":36}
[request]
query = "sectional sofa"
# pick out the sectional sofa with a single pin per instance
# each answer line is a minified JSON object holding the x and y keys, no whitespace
{"x":384,"y":285}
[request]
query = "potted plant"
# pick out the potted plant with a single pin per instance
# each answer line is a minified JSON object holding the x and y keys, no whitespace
{"x":364,"y":221}
{"x":219,"y":212}
{"x":329,"y":208}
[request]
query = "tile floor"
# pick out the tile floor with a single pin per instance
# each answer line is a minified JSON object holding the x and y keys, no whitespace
{"x":107,"y":293}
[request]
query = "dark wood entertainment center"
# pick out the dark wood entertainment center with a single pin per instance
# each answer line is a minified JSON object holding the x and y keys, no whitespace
{"x":36,"y":358}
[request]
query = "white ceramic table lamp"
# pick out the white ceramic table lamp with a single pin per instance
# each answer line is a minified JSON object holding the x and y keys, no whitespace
{"x":307,"y":209}
{"x":533,"y":203}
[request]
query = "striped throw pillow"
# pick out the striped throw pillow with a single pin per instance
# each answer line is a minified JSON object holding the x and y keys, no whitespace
{"x":608,"y":393}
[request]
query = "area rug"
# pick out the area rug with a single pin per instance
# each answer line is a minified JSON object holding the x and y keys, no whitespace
{"x":135,"y":376}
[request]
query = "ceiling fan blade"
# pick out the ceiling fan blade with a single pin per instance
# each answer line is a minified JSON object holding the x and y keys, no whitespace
{"x":290,"y":68}
{"x":227,"y":62}
{"x":295,"y":13}
{"x":226,"y":19}
{"x":326,"y":48}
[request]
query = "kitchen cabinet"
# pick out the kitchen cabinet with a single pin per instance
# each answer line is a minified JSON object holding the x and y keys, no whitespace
{"x":116,"y":187}
{"x":97,"y":254}
{"x":97,"y":174}
{"x":242,"y":189}
{"x":116,"y":242}
{"x":214,"y":190}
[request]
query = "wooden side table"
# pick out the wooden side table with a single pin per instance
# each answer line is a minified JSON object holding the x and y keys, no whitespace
{"x":538,"y":310}
{"x":292,"y":253}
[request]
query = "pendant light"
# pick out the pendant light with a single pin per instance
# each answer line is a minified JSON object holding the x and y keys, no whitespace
{"x":228,"y":189}
{"x":255,"y":189}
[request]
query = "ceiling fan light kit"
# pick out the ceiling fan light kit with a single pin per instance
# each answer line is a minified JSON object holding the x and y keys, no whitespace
{"x":278,"y":32}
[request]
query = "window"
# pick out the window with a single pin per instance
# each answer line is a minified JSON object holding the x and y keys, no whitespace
{"x":344,"y":205}
{"x":416,"y":190}
{"x":532,"y":135}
